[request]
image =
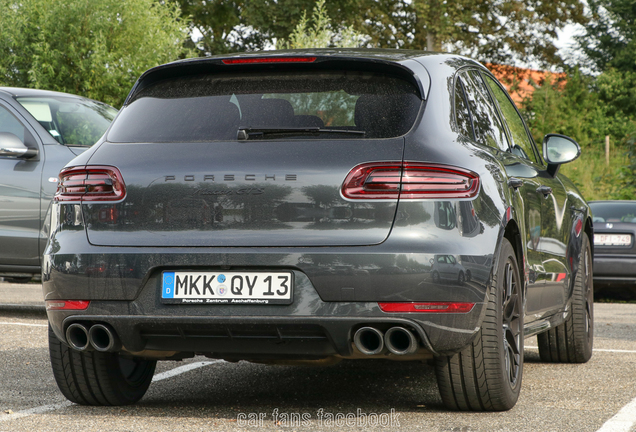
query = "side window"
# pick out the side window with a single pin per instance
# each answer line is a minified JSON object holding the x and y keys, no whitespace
{"x":521,"y":143}
{"x":487,"y":126}
{"x":462,"y":115}
{"x":8,"y":123}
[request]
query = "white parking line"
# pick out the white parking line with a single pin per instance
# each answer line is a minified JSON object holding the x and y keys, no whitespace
{"x":24,"y":324}
{"x":182,"y":369}
{"x":598,"y":350}
{"x":623,"y":421}
{"x":159,"y":377}
{"x":36,"y":410}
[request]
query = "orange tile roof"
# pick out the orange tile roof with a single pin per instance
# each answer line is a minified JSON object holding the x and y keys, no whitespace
{"x":519,"y":81}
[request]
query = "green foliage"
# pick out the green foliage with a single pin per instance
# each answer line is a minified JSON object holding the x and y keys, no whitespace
{"x":589,"y":108}
{"x":491,"y":31}
{"x":475,"y":28}
{"x":222,"y":26}
{"x":574,"y":107}
{"x":598,"y":181}
{"x":610,"y":37}
{"x":94,"y":48}
{"x":617,"y":92}
{"x":569,"y":107}
{"x":320,"y":34}
{"x":628,"y":173}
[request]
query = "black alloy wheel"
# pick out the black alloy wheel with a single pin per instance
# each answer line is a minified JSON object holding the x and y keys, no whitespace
{"x":512,"y":327}
{"x":572,"y":341}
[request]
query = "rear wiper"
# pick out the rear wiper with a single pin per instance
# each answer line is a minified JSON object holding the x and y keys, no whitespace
{"x":256,"y":133}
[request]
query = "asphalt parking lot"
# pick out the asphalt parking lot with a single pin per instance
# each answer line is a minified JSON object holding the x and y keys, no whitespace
{"x":203,"y":394}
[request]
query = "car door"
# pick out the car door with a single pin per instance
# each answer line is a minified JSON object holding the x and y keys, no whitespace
{"x":545,"y":210}
{"x":478,"y":117}
{"x":20,"y":180}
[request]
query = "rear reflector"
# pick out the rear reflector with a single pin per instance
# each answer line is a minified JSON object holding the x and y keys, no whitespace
{"x":434,"y":307}
{"x":67,"y":304}
{"x":90,"y":183}
{"x":408,"y":180}
{"x":269,"y":60}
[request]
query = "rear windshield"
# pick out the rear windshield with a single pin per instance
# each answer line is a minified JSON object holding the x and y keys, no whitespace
{"x":321,"y":105}
{"x":614,"y":211}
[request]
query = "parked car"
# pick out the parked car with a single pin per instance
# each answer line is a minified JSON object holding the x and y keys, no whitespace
{"x":446,"y":267}
{"x":614,"y":248}
{"x":40,"y":131}
{"x":396,"y":138}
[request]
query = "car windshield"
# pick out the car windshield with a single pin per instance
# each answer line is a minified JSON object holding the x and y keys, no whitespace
{"x":314,"y":105}
{"x":614,"y":211}
{"x":70,"y":120}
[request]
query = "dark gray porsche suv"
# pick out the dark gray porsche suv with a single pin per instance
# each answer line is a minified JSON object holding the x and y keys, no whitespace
{"x":294,"y":206}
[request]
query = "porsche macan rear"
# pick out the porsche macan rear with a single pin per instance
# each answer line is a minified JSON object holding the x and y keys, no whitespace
{"x":266,"y":210}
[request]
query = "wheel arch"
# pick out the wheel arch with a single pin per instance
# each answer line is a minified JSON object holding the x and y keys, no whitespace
{"x":513,"y":234}
{"x":589,"y":230}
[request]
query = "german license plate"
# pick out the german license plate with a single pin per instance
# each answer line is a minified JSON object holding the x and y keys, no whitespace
{"x":612,"y":239}
{"x":190,"y":287}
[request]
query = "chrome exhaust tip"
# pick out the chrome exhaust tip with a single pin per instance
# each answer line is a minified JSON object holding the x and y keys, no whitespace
{"x":77,"y":337}
{"x":369,"y":341}
{"x":103,"y":338}
{"x":400,"y":341}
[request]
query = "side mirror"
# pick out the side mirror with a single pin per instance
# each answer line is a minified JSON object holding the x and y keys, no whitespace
{"x":12,"y":146}
{"x":559,"y":149}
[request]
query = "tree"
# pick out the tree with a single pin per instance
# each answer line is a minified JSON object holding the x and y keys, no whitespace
{"x":500,"y":31}
{"x":493,"y":31}
{"x":610,"y":38}
{"x":574,"y":106}
{"x":320,"y":33}
{"x":94,"y":48}
{"x":609,"y":46}
{"x":222,"y":26}
{"x":574,"y":99}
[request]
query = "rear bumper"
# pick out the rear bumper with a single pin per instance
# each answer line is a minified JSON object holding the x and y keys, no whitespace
{"x":614,"y":270}
{"x":310,"y":328}
{"x":336,"y":291}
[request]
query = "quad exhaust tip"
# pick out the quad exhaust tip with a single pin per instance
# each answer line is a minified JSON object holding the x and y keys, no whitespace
{"x":369,"y":340}
{"x":77,"y":337}
{"x":100,"y":337}
{"x":400,"y":341}
{"x":103,"y":338}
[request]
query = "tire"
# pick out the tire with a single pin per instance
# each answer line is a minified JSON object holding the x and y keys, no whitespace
{"x":18,"y":279}
{"x":572,"y":341}
{"x":97,"y":378}
{"x":461,"y":278}
{"x":436,"y":277}
{"x":486,"y":375}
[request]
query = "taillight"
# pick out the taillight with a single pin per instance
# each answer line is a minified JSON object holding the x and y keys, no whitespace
{"x":578,"y":227}
{"x":428,"y":307}
{"x":269,"y":60}
{"x":409,"y":180}
{"x":90,"y":183}
{"x":67,"y":304}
